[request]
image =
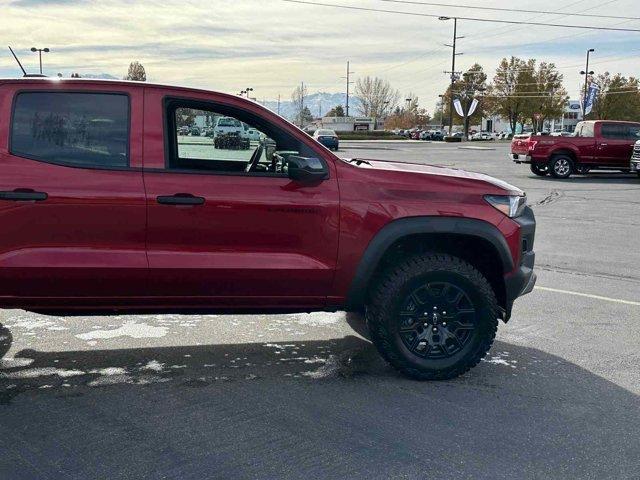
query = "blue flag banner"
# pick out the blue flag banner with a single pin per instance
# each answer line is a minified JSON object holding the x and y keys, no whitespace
{"x":591,"y":98}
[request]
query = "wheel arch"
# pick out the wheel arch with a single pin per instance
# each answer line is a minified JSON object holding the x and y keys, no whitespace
{"x":478,"y":242}
{"x":571,"y":153}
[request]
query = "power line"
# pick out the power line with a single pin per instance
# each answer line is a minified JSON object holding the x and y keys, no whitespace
{"x":496,"y":9}
{"x":470,"y":19}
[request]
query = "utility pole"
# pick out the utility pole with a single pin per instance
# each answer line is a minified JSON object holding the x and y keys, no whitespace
{"x":302,"y":104}
{"x":278,"y":104}
{"x":453,"y":66}
{"x":586,"y":74}
{"x":349,"y":82}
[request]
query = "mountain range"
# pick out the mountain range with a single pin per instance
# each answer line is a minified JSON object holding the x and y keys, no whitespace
{"x":318,"y":103}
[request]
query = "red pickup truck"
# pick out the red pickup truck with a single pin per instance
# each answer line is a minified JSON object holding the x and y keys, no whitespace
{"x":598,"y":144}
{"x":107,"y":205}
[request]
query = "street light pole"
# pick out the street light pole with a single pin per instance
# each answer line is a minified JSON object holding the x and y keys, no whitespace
{"x":453,"y":66}
{"x":40,"y":50}
{"x":586,"y":74}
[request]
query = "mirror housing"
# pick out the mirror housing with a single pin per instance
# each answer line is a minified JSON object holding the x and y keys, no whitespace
{"x":306,"y":169}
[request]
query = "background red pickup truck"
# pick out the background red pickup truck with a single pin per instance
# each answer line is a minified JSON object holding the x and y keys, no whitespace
{"x":596,"y":144}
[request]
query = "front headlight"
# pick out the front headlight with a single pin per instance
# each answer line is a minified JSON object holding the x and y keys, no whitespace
{"x":511,"y":205}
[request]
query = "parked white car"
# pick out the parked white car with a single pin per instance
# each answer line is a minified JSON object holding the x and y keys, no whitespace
{"x":227,"y":125}
{"x":482,"y":136}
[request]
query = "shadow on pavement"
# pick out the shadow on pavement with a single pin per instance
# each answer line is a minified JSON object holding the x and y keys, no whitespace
{"x":597,"y":177}
{"x":309,"y":409}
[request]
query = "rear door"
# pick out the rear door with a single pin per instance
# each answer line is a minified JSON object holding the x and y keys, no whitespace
{"x":72,"y":204}
{"x":226,"y":231}
{"x":616,"y":142}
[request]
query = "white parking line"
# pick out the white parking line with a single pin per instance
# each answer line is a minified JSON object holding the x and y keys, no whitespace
{"x":586,"y":295}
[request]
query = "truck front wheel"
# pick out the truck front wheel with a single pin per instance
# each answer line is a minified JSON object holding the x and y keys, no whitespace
{"x":433,"y":316}
{"x":561,"y":166}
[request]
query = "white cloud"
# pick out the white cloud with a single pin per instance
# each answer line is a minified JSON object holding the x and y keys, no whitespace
{"x":272,"y":45}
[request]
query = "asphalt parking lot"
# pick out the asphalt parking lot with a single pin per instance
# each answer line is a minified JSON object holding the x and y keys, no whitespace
{"x":306,"y":396}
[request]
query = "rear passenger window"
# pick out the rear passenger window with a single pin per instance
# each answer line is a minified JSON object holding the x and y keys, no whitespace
{"x":620,"y":131}
{"x":79,"y":129}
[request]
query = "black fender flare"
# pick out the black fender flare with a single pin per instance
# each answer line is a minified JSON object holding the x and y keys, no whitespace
{"x":404,"y":227}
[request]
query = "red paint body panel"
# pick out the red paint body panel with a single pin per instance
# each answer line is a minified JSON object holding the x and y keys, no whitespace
{"x":102,"y":240}
{"x":88,"y":238}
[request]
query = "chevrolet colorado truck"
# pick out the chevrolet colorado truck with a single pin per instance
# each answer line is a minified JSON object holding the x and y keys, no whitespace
{"x":598,"y":144}
{"x":105,"y":208}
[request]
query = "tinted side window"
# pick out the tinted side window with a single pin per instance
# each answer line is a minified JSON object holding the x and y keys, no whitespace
{"x":225,"y":140}
{"x":612,"y":130}
{"x":620,"y":131}
{"x":83,"y":129}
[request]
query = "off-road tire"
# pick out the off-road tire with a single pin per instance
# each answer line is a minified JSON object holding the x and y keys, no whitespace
{"x":561,"y":166}
{"x":396,"y":282}
{"x":541,"y":171}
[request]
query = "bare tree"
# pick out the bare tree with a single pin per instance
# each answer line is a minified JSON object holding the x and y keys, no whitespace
{"x":297,"y":98}
{"x":136,"y":72}
{"x":376,"y":97}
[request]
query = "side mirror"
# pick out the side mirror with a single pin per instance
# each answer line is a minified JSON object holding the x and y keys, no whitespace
{"x":306,"y":169}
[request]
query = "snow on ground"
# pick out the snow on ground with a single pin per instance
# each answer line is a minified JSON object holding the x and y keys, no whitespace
{"x":131,"y":329}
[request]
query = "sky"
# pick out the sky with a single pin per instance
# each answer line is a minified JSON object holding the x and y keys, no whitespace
{"x":272,"y":46}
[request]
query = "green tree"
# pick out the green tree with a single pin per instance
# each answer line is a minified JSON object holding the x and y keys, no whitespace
{"x":136,"y":72}
{"x":548,"y":96}
{"x":618,"y":98}
{"x":307,"y":116}
{"x":336,"y":111}
{"x":509,"y":89}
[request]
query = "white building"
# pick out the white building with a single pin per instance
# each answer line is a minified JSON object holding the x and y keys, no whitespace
{"x":570,"y":118}
{"x":347,"y":124}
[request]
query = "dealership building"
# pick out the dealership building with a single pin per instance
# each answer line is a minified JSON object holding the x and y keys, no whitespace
{"x":348,"y":124}
{"x":567,"y":123}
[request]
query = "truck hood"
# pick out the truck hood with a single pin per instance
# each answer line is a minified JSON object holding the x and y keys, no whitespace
{"x":434,"y":170}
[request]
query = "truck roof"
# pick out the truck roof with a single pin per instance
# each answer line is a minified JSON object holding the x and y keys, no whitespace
{"x":106,"y":82}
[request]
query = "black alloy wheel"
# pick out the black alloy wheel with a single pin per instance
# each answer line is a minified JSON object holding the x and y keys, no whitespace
{"x":436,"y":320}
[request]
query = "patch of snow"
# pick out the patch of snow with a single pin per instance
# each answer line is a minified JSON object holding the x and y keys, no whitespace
{"x":105,"y":380}
{"x":129,"y":329}
{"x":499,"y":359}
{"x":154,"y":365}
{"x":318,"y":319}
{"x":15,"y":362}
{"x":110,"y":371}
{"x":331,"y":368}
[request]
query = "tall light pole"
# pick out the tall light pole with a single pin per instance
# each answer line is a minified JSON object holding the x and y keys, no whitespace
{"x":453,"y":66}
{"x":40,"y":50}
{"x":586,"y":74}
{"x":249,"y":89}
{"x":349,"y":82}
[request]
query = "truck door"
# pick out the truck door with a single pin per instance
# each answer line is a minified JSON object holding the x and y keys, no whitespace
{"x":616,"y":142}
{"x":72,"y":204}
{"x":226,"y":226}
